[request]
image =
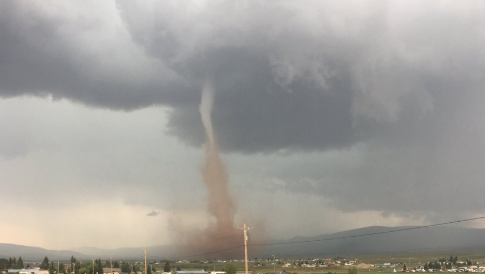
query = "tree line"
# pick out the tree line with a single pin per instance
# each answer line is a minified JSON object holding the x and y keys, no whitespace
{"x":11,"y":263}
{"x":78,"y":267}
{"x":444,"y":263}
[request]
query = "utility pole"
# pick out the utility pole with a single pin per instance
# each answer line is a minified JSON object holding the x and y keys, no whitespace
{"x":246,"y":229}
{"x":111,"y":264}
{"x":93,"y":267}
{"x":145,"y":261}
{"x":57,"y":266}
{"x":274,"y":266}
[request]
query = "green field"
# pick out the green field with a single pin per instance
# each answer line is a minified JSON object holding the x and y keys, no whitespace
{"x":269,"y":268}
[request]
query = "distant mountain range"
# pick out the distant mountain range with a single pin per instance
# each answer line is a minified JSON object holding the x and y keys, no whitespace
{"x":434,"y":239}
{"x":33,"y":254}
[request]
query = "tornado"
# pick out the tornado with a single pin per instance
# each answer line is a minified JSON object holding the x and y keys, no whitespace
{"x":220,"y":203}
{"x":220,"y":238}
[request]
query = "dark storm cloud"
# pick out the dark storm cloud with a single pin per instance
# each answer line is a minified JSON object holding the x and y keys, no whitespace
{"x":82,"y":58}
{"x":284,"y":81}
{"x":428,"y":166}
{"x":277,"y":86}
{"x":286,"y":76}
{"x":269,"y":118}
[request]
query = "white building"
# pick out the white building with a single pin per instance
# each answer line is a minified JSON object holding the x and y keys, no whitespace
{"x":27,"y":271}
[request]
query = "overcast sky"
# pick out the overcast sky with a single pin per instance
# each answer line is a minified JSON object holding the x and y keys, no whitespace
{"x":329,"y":115}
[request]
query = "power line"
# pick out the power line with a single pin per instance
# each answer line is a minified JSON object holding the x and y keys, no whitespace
{"x":373,"y":233}
{"x":334,"y":238}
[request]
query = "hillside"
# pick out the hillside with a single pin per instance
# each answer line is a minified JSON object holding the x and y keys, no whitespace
{"x":435,"y":239}
{"x":33,"y":254}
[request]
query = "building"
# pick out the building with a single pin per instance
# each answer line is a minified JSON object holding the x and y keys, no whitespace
{"x":108,"y":270}
{"x":27,"y":271}
{"x":192,"y":272}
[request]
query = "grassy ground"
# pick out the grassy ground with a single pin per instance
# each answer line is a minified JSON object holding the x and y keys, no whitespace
{"x":269,"y":268}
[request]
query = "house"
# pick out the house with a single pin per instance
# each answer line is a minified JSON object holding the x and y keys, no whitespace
{"x":192,"y":272}
{"x":108,"y":270}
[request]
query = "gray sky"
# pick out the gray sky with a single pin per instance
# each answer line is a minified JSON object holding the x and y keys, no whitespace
{"x":329,"y":115}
